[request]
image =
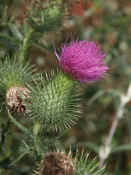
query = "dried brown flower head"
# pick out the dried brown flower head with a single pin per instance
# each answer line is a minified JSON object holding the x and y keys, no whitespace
{"x":15,"y":97}
{"x":56,"y":163}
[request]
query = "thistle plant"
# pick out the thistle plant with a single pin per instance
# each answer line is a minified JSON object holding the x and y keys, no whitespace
{"x":56,"y":163}
{"x":13,"y":79}
{"x":83,"y":61}
{"x":49,"y":102}
{"x":13,"y":73}
{"x":55,"y":105}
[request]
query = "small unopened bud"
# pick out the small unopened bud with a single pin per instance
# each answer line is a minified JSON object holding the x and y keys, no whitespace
{"x":15,"y":97}
{"x":56,"y":163}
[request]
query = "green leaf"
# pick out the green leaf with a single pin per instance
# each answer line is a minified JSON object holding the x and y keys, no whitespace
{"x":47,"y":20}
{"x":121,"y":148}
{"x":91,"y":146}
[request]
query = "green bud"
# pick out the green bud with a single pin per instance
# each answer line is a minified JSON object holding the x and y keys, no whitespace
{"x":53,"y":102}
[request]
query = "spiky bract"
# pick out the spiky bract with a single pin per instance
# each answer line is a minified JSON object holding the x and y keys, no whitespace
{"x":53,"y":102}
{"x":56,"y":163}
{"x":80,"y":164}
{"x":13,"y":73}
{"x":84,"y":166}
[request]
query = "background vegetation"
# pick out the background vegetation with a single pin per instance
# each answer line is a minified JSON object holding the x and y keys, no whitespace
{"x":105,"y":105}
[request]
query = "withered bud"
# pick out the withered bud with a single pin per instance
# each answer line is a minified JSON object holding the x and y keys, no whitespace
{"x":56,"y":163}
{"x":15,"y":98}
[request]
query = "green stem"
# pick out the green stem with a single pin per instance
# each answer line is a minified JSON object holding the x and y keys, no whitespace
{"x":25,"y":46}
{"x":36,"y":129}
{"x":19,"y":158}
{"x":21,"y":127}
{"x":36,"y":143}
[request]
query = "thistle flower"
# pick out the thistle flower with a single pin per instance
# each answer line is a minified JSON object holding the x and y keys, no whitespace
{"x":61,"y":163}
{"x":56,"y":163}
{"x":82,"y":60}
{"x":14,"y":97}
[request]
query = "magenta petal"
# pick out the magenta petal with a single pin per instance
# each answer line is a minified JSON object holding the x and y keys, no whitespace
{"x":82,"y":60}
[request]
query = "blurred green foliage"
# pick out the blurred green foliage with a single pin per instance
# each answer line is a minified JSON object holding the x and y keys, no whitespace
{"x":108,"y":23}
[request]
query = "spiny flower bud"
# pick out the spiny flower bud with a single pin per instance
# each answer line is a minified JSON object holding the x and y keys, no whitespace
{"x":15,"y":97}
{"x":82,"y":60}
{"x":56,"y":104}
{"x":56,"y":163}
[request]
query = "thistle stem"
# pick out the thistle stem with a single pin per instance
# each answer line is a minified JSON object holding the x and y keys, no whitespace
{"x":21,"y":127}
{"x":106,"y":149}
{"x":25,"y":45}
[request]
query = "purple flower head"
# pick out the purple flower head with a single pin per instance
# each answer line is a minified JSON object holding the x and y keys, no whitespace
{"x":82,"y":60}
